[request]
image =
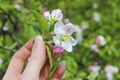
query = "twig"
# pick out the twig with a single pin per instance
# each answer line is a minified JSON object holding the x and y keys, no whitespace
{"x":6,"y":48}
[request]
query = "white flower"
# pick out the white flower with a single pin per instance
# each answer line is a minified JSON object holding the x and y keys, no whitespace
{"x":109,"y":69}
{"x":96,"y":16}
{"x":94,"y":48}
{"x":17,"y":6}
{"x":56,"y":15}
{"x":95,"y":70}
{"x":109,"y":76}
{"x":64,"y":35}
{"x":95,"y":5}
{"x":46,"y":14}
{"x":100,"y":40}
{"x":78,"y":31}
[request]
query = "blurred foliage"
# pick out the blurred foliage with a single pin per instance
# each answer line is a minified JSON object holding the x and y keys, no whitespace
{"x":16,"y":23}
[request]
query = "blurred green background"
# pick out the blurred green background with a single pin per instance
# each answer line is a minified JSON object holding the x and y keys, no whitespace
{"x":98,"y":17}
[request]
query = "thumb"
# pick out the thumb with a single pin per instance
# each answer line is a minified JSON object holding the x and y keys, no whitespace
{"x":36,"y":61}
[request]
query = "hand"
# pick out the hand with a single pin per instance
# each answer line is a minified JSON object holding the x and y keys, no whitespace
{"x":38,"y":66}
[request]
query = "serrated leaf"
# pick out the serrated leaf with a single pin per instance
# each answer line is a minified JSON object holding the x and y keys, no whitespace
{"x":49,"y":56}
{"x":42,"y":21}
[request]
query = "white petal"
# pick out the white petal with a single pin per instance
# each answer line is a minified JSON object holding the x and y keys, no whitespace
{"x":67,"y":46}
{"x":102,"y":40}
{"x":56,"y":40}
{"x":78,"y":35}
{"x":73,"y":41}
{"x":58,"y":29}
{"x":46,"y":14}
{"x":69,"y":28}
{"x":57,"y":13}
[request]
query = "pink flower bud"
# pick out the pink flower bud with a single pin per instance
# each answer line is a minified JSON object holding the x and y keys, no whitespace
{"x":94,"y":48}
{"x":46,"y":14}
{"x":58,"y":49}
{"x":94,"y":68}
{"x":17,"y":6}
{"x":57,"y":13}
{"x":100,"y":40}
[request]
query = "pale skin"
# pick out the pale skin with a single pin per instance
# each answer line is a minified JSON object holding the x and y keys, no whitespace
{"x":38,"y":66}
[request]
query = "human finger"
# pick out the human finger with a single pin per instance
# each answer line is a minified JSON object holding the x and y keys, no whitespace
{"x":36,"y":61}
{"x":59,"y":72}
{"x":46,"y":69}
{"x":16,"y":64}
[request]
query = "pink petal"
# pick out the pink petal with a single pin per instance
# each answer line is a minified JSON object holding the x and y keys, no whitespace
{"x":58,"y":49}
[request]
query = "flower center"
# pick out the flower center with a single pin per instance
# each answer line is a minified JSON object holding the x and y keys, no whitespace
{"x":65,"y":37}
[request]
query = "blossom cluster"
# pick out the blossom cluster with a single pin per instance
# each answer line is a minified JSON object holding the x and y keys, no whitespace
{"x":100,"y":40}
{"x":109,"y":70}
{"x":63,"y":38}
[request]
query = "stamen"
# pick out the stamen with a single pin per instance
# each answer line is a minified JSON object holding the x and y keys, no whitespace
{"x":65,"y":37}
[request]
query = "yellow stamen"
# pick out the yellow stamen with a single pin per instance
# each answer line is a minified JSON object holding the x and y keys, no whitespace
{"x":65,"y":37}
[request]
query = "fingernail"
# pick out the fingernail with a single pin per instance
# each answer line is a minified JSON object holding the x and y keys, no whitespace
{"x":62,"y":67}
{"x":39,"y":37}
{"x":64,"y":63}
{"x":37,"y":41}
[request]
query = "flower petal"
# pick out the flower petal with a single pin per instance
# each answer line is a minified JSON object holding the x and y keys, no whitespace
{"x":67,"y":46}
{"x":57,"y":13}
{"x":58,"y":29}
{"x":58,"y":49}
{"x":69,"y":28}
{"x":73,"y":41}
{"x":78,"y":34}
{"x":56,"y":40}
{"x":46,"y":14}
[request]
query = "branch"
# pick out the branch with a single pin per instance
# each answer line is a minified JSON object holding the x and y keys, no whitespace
{"x":6,"y":48}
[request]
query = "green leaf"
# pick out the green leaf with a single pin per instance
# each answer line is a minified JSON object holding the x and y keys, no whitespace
{"x":49,"y":56}
{"x":36,"y":27}
{"x":42,"y":21}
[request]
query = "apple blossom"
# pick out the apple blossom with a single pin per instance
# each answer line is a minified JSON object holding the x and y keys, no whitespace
{"x":64,"y":35}
{"x":100,"y":40}
{"x":109,"y":76}
{"x":95,"y":70}
{"x":17,"y":6}
{"x":109,"y":69}
{"x":94,"y":48}
{"x":55,"y":15}
{"x":58,"y":49}
{"x":96,"y":16}
{"x":95,"y":5}
{"x":46,"y":14}
{"x":78,"y":31}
